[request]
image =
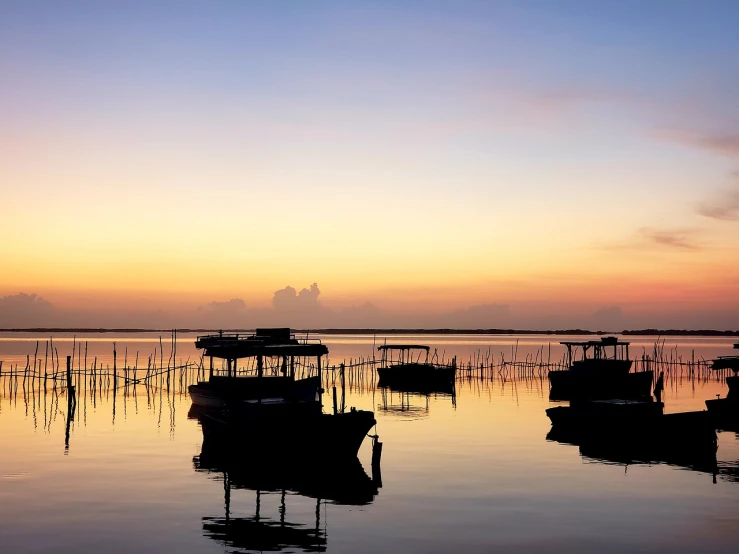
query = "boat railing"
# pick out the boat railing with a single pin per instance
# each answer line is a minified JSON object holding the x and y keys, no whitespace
{"x":230,"y":339}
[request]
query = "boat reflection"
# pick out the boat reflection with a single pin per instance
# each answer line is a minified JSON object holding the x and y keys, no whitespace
{"x":342,"y":481}
{"x":412,"y":402}
{"x":628,"y":452}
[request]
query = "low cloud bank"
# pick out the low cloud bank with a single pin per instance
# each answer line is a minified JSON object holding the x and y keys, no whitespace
{"x":303,"y":309}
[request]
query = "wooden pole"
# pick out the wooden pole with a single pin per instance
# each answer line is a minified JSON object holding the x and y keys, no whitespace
{"x":114,"y":367}
{"x":343,"y":387}
{"x":320,"y":381}
{"x":70,"y":388}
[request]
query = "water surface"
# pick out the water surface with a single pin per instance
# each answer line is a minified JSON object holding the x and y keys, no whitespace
{"x":470,"y":473}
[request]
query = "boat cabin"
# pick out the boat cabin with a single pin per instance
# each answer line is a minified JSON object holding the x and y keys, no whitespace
{"x":607,"y":348}
{"x":402,"y":354}
{"x":280,"y":345}
{"x":274,"y":358}
{"x":726,"y":362}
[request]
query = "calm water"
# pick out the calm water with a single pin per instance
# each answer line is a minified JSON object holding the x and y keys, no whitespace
{"x":473,"y":473}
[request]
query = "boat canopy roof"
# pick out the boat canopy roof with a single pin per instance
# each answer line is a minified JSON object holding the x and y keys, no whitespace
{"x":726,"y":362}
{"x":605,"y":341}
{"x":265,"y":342}
{"x":404,"y":347}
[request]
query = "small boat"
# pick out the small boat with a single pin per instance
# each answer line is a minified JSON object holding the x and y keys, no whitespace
{"x":401,"y":368}
{"x":272,"y":413}
{"x":603,"y":372}
{"x":725,"y":411}
{"x":287,"y":428}
{"x":732,"y":381}
{"x":277,"y":345}
{"x":641,"y":422}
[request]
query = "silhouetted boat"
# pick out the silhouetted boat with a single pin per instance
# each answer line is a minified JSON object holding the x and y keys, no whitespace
{"x":725,"y":411}
{"x":640,"y":422}
{"x":344,"y":481}
{"x":599,"y":374}
{"x":278,"y":344}
{"x":290,"y":428}
{"x":401,"y":368}
{"x":261,"y":420}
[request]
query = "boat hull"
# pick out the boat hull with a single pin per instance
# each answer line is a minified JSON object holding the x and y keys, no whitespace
{"x":297,"y":428}
{"x":219,"y":392}
{"x":419,"y":377}
{"x":639,"y":423}
{"x":724,"y":412}
{"x":733,"y":383}
{"x":573,"y":385}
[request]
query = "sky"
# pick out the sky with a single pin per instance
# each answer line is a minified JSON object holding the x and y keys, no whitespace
{"x":525,"y":164}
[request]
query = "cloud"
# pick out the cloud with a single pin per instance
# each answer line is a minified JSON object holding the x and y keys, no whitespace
{"x":725,"y":206}
{"x":19,"y":310}
{"x":726,"y":144}
{"x":235,"y":305}
{"x":650,"y":238}
{"x":483,"y":316}
{"x":673,"y":238}
{"x":607,"y":318}
{"x":288,"y":299}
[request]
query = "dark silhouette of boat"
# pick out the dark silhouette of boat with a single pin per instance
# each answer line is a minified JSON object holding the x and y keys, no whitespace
{"x":640,"y":424}
{"x":342,"y":482}
{"x":401,"y":368}
{"x":265,"y":417}
{"x":725,"y":411}
{"x":290,"y":428}
{"x":280,"y":344}
{"x":601,"y":373}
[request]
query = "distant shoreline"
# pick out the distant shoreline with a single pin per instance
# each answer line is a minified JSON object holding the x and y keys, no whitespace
{"x":392,"y":331}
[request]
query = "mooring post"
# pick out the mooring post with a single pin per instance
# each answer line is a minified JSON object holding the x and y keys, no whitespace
{"x":336,"y":408}
{"x":70,"y":388}
{"x":343,"y":387}
{"x":114,"y":366}
{"x":320,"y":381}
{"x":376,"y":457}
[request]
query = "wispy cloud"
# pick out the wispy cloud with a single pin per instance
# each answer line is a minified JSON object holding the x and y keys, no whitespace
{"x":651,"y":238}
{"x":726,"y":144}
{"x":673,"y":238}
{"x":725,"y":206}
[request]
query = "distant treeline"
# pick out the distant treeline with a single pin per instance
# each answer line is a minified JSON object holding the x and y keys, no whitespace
{"x":682,"y":332}
{"x":657,"y":332}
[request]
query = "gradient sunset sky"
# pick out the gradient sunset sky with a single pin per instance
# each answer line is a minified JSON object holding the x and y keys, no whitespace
{"x":521,"y":158}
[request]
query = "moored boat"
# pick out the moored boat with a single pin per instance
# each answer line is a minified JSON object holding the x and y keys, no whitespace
{"x":266,"y":413}
{"x":634,"y":422}
{"x":401,"y":368}
{"x":279,"y":346}
{"x":725,"y":411}
{"x":279,"y":428}
{"x":601,"y":373}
